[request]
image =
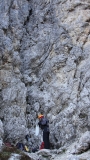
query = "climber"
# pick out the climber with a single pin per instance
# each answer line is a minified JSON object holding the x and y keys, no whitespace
{"x":44,"y":125}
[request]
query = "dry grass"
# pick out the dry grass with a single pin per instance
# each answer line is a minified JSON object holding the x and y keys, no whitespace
{"x":6,"y":153}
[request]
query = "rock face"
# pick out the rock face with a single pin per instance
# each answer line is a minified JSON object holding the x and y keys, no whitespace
{"x":45,"y":67}
{"x":13,"y":90}
{"x":1,"y":134}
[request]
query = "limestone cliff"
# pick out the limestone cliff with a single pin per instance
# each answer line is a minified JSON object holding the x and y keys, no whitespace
{"x":45,"y":67}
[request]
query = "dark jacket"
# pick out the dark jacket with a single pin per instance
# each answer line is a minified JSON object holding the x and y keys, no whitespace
{"x":44,"y":124}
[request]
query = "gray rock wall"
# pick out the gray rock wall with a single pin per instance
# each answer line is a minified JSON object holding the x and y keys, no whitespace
{"x":45,"y":67}
{"x":13,"y":90}
{"x":1,"y":135}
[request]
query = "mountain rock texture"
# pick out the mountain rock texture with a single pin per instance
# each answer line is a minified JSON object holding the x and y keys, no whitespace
{"x":45,"y":68}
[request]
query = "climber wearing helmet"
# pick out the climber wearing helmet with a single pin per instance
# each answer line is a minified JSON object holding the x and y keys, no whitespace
{"x":44,"y":125}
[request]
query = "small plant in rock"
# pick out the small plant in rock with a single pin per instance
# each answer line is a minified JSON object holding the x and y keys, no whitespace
{"x":4,"y":155}
{"x":6,"y":152}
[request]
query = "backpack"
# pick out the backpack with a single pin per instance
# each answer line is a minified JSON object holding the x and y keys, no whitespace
{"x":20,"y":146}
{"x":26,"y":148}
{"x":42,"y":145}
